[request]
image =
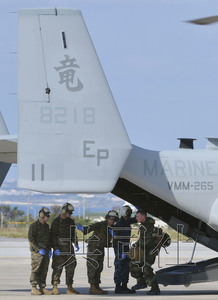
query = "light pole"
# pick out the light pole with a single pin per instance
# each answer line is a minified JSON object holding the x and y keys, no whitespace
{"x":84,"y":208}
{"x":34,"y":212}
{"x":2,"y":217}
{"x":79,"y":212}
{"x":28,"y":210}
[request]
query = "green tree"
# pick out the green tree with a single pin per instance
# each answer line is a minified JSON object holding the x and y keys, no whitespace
{"x":16,"y":214}
{"x":82,"y":221}
{"x":55,"y":212}
{"x":11,"y":214}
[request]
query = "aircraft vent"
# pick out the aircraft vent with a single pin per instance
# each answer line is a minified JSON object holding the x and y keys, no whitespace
{"x":212,"y":143}
{"x":186,"y":143}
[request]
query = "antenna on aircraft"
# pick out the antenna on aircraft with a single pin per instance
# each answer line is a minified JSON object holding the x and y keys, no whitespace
{"x":204,"y":21}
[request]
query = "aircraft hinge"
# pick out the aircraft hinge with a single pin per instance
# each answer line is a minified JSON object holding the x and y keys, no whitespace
{"x":47,"y":90}
{"x":64,"y":39}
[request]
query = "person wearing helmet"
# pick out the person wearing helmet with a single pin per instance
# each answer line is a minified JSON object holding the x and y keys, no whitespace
{"x":100,"y":238}
{"x":63,"y":234}
{"x":121,"y":246}
{"x":146,"y":244}
{"x":40,"y":247}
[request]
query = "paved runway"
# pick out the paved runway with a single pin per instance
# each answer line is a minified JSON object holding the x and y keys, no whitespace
{"x":15,"y":272}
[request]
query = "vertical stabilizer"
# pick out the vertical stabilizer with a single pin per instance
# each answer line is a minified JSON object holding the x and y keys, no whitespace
{"x":3,"y":127}
{"x":71,"y":137}
{"x":4,"y":167}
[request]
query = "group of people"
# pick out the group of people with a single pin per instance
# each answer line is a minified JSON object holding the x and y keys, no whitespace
{"x":60,"y":237}
{"x":114,"y":231}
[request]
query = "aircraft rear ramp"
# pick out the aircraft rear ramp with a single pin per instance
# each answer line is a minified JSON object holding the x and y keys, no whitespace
{"x":186,"y":274}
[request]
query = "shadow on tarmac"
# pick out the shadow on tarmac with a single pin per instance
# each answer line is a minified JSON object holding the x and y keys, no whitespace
{"x":85,"y":291}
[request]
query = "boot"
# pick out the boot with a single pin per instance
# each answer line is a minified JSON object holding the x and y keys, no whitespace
{"x":118,"y":289}
{"x":95,"y":290}
{"x":102,"y":291}
{"x":55,"y":290}
{"x":71,"y":290}
{"x":44,"y":291}
{"x":126,"y":290}
{"x":140,"y":285}
{"x":35,"y":291}
{"x":154,"y":290}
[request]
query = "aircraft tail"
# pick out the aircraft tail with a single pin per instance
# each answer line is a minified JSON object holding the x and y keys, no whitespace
{"x":4,"y":167}
{"x":71,"y":137}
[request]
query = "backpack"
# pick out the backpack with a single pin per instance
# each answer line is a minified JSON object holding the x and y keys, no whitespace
{"x":163,"y":238}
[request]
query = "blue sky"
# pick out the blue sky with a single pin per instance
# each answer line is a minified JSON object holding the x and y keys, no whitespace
{"x":163,"y":72}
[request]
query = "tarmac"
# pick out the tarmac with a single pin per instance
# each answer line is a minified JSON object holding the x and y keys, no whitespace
{"x":15,"y":272}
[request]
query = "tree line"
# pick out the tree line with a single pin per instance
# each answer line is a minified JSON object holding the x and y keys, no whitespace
{"x":8,"y":214}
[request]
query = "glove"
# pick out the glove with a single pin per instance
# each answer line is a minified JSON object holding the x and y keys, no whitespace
{"x":42,"y":252}
{"x":112,"y":232}
{"x":123,"y":255}
{"x":49,"y":254}
{"x":79,"y":227}
{"x":57,"y":252}
{"x":77,"y":248}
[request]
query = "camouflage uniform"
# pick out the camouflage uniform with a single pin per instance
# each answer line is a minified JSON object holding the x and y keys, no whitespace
{"x":39,"y":238}
{"x":63,"y":229}
{"x":147,"y":241}
{"x":96,"y":243}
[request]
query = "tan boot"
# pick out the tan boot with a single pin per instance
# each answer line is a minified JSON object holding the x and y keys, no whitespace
{"x":95,"y":290}
{"x":55,"y":290}
{"x":102,"y":291}
{"x":45,"y":292}
{"x":35,"y":291}
{"x":71,"y":290}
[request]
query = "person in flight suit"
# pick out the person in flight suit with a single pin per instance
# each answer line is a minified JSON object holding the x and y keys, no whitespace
{"x":40,"y":247}
{"x":146,"y":243}
{"x":63,"y":234}
{"x":121,"y":247}
{"x":101,"y":238}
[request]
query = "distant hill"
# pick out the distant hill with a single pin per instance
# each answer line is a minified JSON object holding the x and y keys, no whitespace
{"x":11,"y":195}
